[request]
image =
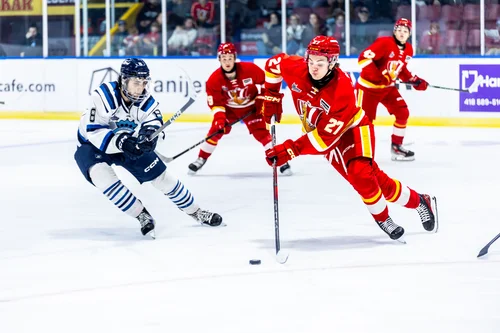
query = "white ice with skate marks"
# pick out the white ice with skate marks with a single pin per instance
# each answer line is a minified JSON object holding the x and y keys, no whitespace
{"x":70,"y":261}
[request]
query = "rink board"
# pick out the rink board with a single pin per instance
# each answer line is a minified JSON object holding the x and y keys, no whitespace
{"x":59,"y":88}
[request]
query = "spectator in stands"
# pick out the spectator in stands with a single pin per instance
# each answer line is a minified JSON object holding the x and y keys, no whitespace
{"x":117,"y":44}
{"x":182,"y":38}
{"x":152,"y":40}
{"x":147,"y":15}
{"x":294,"y":34}
{"x":271,"y":38}
{"x":431,"y":40}
{"x":180,"y":10}
{"x":314,"y":28}
{"x":336,"y":28}
{"x":133,"y":42}
{"x":362,"y":32}
{"x":335,"y":5}
{"x":492,"y":40}
{"x":202,"y":12}
{"x":32,"y":43}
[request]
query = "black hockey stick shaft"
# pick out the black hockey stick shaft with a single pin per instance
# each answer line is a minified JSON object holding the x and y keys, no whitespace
{"x":277,"y":242}
{"x":170,"y":159}
{"x":485,"y":249}
{"x":171,"y":120}
{"x":439,"y":87}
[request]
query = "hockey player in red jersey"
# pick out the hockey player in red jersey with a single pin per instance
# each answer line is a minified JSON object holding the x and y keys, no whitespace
{"x":337,"y":129}
{"x":381,"y":64}
{"x":231,"y":94}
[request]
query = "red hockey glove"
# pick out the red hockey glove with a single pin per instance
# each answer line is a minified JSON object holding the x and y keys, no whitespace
{"x":282,"y":153}
{"x":270,"y":105}
{"x":219,"y":123}
{"x":418,"y":83}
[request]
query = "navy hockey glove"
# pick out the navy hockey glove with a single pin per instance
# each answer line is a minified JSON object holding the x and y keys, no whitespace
{"x":144,"y":133}
{"x":128,"y":145}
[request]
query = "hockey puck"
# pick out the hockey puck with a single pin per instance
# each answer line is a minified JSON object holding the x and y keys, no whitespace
{"x":255,"y":262}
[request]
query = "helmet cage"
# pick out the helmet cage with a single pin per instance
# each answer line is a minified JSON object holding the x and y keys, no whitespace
{"x":126,"y":79}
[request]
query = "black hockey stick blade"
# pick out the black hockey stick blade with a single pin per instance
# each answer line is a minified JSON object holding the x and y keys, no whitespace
{"x":485,"y":249}
{"x":171,"y":120}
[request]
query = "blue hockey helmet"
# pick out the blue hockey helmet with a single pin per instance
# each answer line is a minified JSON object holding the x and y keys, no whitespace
{"x":135,"y":79}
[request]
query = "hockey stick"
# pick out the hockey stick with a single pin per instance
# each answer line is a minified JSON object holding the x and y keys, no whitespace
{"x":171,"y":120}
{"x":170,"y":159}
{"x":484,"y":250}
{"x":439,"y":87}
{"x":280,"y":256}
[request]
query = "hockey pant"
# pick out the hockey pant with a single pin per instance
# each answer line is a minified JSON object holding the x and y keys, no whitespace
{"x":256,"y":126}
{"x":353,"y":159}
{"x":96,"y":167}
{"x":369,"y":98}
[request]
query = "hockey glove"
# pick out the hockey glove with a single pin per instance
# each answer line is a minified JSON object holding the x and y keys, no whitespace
{"x":144,"y":133}
{"x":128,"y":145}
{"x":282,"y":153}
{"x":418,"y":83}
{"x":270,"y":105}
{"x":219,"y":124}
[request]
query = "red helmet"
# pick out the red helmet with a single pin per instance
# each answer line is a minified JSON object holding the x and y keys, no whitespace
{"x":324,"y":46}
{"x":226,"y":48}
{"x":402,"y":22}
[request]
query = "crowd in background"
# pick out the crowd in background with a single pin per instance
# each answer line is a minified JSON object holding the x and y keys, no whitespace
{"x":193,"y":26}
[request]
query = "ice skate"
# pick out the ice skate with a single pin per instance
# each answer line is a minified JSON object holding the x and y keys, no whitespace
{"x":147,"y":223}
{"x":427,"y":209}
{"x":400,"y":153}
{"x":196,"y":165}
{"x":207,"y":218}
{"x":286,"y":170}
{"x":392,"y":229}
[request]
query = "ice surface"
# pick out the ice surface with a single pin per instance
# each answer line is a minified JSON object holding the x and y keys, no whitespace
{"x":71,"y":262}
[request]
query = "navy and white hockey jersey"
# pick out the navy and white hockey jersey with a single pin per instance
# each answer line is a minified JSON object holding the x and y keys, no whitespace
{"x":108,"y":116}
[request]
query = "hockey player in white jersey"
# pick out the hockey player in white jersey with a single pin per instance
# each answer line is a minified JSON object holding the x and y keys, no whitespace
{"x":120,"y":115}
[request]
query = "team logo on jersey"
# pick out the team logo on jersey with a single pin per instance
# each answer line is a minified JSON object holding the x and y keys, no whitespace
{"x":391,"y":55}
{"x":324,"y":105}
{"x":128,"y":124}
{"x":239,"y":96}
{"x":295,"y":88}
{"x":248,"y":81}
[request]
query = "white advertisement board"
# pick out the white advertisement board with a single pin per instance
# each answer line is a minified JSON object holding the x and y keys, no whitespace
{"x":63,"y":85}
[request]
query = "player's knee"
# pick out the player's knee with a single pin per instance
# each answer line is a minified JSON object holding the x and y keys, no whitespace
{"x":402,"y":115}
{"x":102,"y":175}
{"x":165,"y":182}
{"x":359,"y":170}
{"x":262,"y":135}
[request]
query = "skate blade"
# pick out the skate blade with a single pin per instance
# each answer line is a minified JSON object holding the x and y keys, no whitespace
{"x":399,"y":158}
{"x":214,"y":226}
{"x":435,"y":211}
{"x":151,"y":234}
{"x":401,"y":240}
{"x":287,"y":172}
{"x":191,"y":172}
